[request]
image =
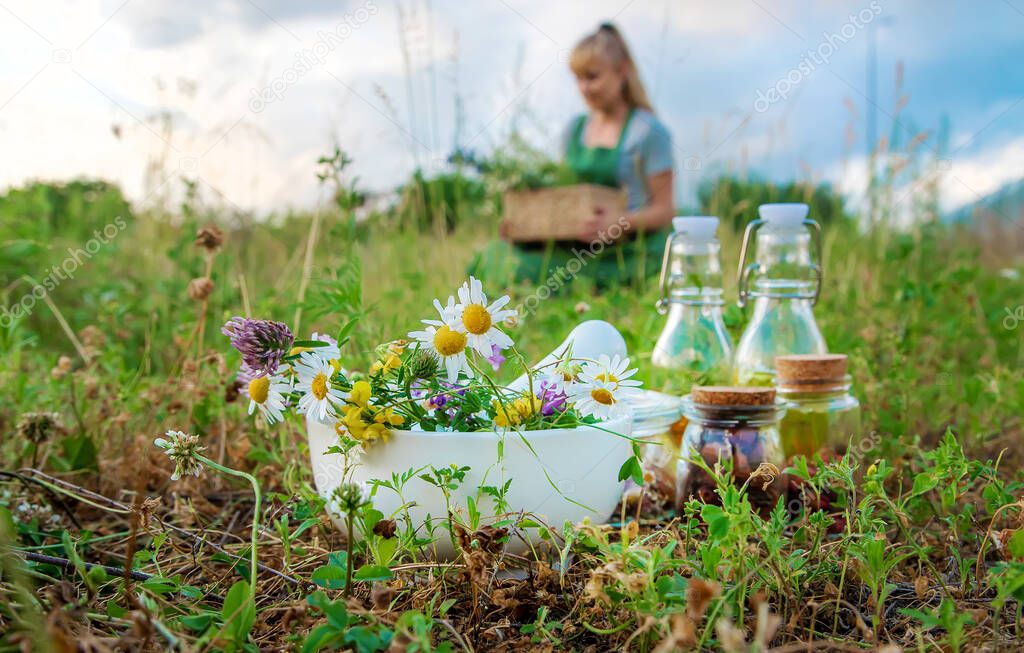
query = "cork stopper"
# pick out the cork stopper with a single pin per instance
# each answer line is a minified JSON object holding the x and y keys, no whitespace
{"x":717,"y":395}
{"x":802,"y":369}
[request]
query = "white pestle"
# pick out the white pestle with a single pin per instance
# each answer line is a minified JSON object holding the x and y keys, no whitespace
{"x":588,"y":340}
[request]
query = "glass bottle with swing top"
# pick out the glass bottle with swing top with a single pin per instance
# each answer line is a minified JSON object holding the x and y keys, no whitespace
{"x":783,"y":278}
{"x":694,"y":341}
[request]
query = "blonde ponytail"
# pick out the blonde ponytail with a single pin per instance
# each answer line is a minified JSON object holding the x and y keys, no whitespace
{"x":608,"y":42}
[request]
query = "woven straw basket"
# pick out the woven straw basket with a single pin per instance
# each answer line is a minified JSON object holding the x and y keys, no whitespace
{"x":557,"y":213}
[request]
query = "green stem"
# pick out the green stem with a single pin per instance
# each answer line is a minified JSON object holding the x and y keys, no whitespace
{"x":349,"y":557}
{"x":255,"y":516}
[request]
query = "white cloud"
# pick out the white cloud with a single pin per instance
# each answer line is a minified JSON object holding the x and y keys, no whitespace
{"x":199,"y":61}
{"x":971,"y":178}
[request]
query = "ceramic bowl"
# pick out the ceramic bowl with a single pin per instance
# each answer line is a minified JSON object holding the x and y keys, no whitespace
{"x":557,"y":475}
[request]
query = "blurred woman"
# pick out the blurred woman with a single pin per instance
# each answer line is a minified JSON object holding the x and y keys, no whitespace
{"x":619,"y":143}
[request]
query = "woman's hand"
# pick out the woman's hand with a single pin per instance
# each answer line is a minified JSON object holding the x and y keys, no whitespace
{"x":597,"y":225}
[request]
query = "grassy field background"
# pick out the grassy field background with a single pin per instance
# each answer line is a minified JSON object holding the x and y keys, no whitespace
{"x":120,"y":352}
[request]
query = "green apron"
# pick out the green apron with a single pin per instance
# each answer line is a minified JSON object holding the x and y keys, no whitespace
{"x":636,"y":257}
{"x":595,"y":165}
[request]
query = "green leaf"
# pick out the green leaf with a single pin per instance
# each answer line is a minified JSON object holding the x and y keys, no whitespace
{"x":114,"y":610}
{"x":367,"y":639}
{"x":97,"y":576}
{"x":160,"y":586}
{"x":671,"y":588}
{"x":924,"y":483}
{"x":632,"y":469}
{"x":1016,"y":544}
{"x":329,"y":577}
{"x":373,"y":573}
{"x":318,"y":638}
{"x":78,"y":452}
{"x":310,"y":343}
{"x":197,"y":622}
{"x":238,"y":612}
{"x":335,"y":611}
{"x":370,"y":517}
{"x":7,"y":526}
{"x":387,"y":548}
{"x":716,"y":519}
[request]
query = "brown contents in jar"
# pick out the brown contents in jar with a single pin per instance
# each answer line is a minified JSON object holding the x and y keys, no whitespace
{"x":744,"y":446}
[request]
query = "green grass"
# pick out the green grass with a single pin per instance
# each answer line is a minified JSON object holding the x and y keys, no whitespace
{"x":920,"y":314}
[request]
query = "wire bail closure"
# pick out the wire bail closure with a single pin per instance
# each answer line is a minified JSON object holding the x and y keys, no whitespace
{"x":665,"y":299}
{"x":745,"y":271}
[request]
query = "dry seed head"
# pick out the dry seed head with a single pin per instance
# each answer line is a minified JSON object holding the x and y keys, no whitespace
{"x":39,"y":427}
{"x":200,"y":288}
{"x":210,"y":238}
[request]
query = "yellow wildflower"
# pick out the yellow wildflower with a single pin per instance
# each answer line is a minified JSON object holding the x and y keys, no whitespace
{"x":360,"y":395}
{"x":388,"y":363}
{"x":516,"y":411}
{"x":364,"y":422}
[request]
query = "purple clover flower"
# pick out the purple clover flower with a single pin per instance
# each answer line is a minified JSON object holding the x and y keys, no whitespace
{"x":552,"y":397}
{"x":495,"y":359}
{"x":247,"y":374}
{"x":262,"y":343}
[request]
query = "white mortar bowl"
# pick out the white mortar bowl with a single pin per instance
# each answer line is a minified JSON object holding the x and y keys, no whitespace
{"x":582,"y":463}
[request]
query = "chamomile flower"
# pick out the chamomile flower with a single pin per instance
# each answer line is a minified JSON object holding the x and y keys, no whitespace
{"x":319,"y":399}
{"x":604,"y":388}
{"x":267,"y":393}
{"x":478,"y":320}
{"x":329,"y":352}
{"x":445,"y":341}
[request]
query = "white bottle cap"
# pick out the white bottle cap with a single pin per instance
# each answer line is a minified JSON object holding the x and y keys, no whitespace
{"x":784,"y":216}
{"x":698,"y":228}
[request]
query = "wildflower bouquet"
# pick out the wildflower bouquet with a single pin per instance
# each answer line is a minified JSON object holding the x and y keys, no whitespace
{"x":437,"y":379}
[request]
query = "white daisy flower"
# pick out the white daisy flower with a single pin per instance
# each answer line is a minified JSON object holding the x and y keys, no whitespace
{"x":331,"y":351}
{"x":319,"y":398}
{"x":442,"y":339}
{"x":267,"y":393}
{"x":478,"y":320}
{"x":604,"y":388}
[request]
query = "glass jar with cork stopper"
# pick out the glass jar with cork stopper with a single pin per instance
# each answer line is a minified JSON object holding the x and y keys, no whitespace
{"x":737,"y":424}
{"x":823,"y":413}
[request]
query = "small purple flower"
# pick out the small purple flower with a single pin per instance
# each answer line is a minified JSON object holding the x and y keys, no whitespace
{"x":417,"y":391}
{"x":262,"y":343}
{"x":437,"y":401}
{"x":495,"y":359}
{"x":458,"y":389}
{"x":552,"y":397}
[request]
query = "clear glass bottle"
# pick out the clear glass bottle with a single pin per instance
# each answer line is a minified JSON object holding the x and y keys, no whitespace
{"x":694,"y":341}
{"x":737,"y":424}
{"x":823,"y":414}
{"x":784,"y":279}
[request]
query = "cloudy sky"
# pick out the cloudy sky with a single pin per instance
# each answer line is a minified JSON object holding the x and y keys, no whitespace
{"x":245,"y":95}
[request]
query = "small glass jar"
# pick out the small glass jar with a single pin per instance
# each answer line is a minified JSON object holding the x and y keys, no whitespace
{"x":739,"y":424}
{"x":657,"y":420}
{"x":823,"y":413}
